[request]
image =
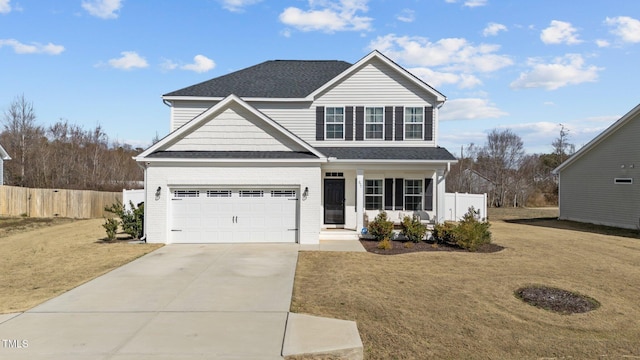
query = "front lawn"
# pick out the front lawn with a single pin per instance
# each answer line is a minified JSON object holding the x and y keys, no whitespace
{"x":457,"y":305}
{"x":43,"y":258}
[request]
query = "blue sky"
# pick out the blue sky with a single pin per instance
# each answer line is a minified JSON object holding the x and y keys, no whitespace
{"x":527,"y":65}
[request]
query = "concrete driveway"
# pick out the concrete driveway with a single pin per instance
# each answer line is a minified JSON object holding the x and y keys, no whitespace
{"x":178,"y":302}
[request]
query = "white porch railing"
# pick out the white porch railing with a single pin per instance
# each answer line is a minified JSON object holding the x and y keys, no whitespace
{"x":457,"y":204}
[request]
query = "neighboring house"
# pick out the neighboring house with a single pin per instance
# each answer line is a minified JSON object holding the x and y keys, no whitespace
{"x":285,"y":151}
{"x":3,"y":157}
{"x":600,"y":183}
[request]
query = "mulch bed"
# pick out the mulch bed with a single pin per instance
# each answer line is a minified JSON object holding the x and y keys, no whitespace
{"x":557,"y":300}
{"x":399,"y":247}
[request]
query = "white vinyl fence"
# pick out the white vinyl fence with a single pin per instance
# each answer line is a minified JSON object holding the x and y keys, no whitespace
{"x":457,"y":204}
{"x":135,"y":196}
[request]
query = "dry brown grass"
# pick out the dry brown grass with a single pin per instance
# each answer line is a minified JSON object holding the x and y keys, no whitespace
{"x":40,"y":260}
{"x":462,"y":305}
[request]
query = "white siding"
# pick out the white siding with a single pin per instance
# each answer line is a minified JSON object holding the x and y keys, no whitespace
{"x":235,"y":129}
{"x":376,"y":84}
{"x":587,"y":189}
{"x":183,"y":111}
{"x":168,"y":177}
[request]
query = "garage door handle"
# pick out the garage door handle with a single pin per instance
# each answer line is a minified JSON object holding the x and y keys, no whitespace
{"x":175,"y":230}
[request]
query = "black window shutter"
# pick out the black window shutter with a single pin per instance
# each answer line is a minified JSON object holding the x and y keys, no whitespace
{"x":399,"y":123}
{"x":320,"y":123}
{"x":428,"y":194}
{"x":388,"y":194}
{"x":348,"y":123}
{"x":428,"y":123}
{"x":399,"y":194}
{"x":388,"y":123}
{"x":359,"y":122}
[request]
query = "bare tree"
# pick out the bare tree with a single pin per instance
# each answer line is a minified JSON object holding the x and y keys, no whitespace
{"x":19,"y":137}
{"x":500,"y":160}
{"x":561,"y":145}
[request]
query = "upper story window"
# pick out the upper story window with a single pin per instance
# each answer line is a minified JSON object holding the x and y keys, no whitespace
{"x":334,"y":123}
{"x":413,"y":123}
{"x":374,"y":123}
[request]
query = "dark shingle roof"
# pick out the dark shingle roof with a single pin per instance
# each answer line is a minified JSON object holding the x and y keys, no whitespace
{"x":232,"y":155}
{"x":387,"y":153}
{"x":270,"y":79}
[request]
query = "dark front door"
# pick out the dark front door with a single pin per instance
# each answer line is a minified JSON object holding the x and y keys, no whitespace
{"x":334,"y":201}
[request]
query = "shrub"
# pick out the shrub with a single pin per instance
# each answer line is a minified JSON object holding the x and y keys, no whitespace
{"x":385,"y":244}
{"x":111,"y":226}
{"x":443,"y":233}
{"x":471,"y":233}
{"x":408,"y":245}
{"x":381,"y":227}
{"x":132,"y":221}
{"x":413,"y":229}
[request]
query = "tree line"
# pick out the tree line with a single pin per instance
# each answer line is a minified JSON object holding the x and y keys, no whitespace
{"x":510,"y":177}
{"x":64,"y":155}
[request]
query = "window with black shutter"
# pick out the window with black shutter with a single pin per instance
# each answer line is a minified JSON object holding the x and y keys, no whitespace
{"x":388,"y":194}
{"x":359,"y":123}
{"x":428,"y":124}
{"x":320,"y":123}
{"x":428,"y":194}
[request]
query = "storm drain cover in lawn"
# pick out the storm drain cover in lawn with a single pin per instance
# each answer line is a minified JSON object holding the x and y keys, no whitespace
{"x":557,"y":300}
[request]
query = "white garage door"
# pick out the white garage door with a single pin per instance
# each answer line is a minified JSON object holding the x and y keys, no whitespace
{"x":234,"y":215}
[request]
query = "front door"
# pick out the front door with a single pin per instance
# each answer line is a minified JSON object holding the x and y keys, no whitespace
{"x":334,"y":201}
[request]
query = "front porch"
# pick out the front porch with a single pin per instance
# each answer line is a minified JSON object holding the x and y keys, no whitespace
{"x":354,"y":195}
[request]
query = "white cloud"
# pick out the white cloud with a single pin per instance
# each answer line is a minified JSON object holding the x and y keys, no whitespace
{"x":407,"y":15}
{"x":200,"y":64}
{"x":105,"y":9}
{"x":128,"y":61}
{"x":328,"y":16}
{"x":5,"y":7}
{"x":627,"y":28}
{"x":168,"y":65}
{"x":493,"y":29}
{"x":437,"y":79}
{"x":602,"y":43}
{"x":567,"y":70}
{"x":33,"y":48}
{"x":237,"y":5}
{"x":452,"y":54}
{"x":470,"y":109}
{"x":475,"y":3}
{"x":560,"y":32}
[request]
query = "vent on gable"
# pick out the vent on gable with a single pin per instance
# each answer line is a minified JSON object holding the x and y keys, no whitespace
{"x":627,"y":181}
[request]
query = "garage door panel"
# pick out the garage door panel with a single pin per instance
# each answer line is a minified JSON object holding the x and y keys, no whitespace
{"x":241,"y":215}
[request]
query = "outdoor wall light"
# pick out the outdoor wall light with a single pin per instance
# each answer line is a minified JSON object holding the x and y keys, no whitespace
{"x":158,"y":191}
{"x":306,"y":192}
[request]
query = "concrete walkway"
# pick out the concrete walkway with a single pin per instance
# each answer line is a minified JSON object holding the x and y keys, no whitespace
{"x":227,"y":301}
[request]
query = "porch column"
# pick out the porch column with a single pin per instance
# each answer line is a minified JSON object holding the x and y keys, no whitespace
{"x":359,"y":200}
{"x":440,"y":196}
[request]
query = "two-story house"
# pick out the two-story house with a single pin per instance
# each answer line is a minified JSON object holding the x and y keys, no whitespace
{"x":285,"y":151}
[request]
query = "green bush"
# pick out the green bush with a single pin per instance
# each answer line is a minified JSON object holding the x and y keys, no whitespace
{"x":111,"y":226}
{"x":413,"y":229}
{"x":470,"y":233}
{"x":443,"y":233}
{"x":131,"y":221}
{"x":381,"y":227}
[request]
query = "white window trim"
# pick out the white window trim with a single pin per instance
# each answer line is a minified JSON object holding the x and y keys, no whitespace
{"x":365,"y":123}
{"x":381,"y":194}
{"x":404,"y":194}
{"x":344,"y":123}
{"x":404,"y":123}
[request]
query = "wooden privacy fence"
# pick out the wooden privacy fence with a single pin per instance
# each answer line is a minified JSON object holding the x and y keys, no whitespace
{"x":78,"y":204}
